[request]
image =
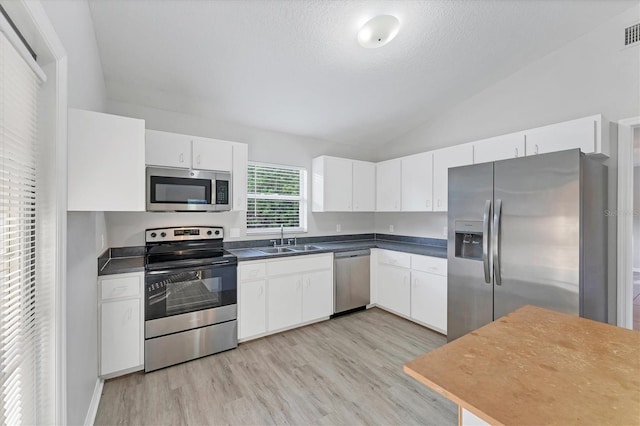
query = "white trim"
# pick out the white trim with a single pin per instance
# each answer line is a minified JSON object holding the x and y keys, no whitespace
{"x":636,"y":269}
{"x":95,"y":402}
{"x":625,"y":221}
{"x":17,"y":44}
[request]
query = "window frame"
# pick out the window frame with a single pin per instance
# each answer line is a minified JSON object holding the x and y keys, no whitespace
{"x":302,"y":200}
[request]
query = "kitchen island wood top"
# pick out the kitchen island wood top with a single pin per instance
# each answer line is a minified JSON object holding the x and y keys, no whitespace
{"x":539,"y":367}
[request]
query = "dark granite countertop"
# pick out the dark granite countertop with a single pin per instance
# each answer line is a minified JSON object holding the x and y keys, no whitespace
{"x":121,"y":260}
{"x":252,"y":253}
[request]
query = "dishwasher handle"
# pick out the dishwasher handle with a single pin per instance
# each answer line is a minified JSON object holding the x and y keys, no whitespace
{"x":354,"y":253}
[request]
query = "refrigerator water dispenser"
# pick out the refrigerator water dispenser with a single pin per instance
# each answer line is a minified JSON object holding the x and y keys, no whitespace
{"x":469,"y":239}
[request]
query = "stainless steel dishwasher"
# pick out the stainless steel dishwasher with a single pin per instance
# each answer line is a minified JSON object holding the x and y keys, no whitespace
{"x":351,"y":284}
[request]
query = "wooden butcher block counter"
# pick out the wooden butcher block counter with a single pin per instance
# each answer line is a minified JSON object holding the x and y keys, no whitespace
{"x":539,"y":367}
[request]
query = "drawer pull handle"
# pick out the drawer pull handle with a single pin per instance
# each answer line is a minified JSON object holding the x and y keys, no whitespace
{"x":119,"y":289}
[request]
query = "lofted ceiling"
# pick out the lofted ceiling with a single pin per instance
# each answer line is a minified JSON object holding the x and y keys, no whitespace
{"x":296,"y":66}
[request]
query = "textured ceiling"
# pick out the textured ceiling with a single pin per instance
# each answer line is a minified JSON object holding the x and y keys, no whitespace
{"x":296,"y":66}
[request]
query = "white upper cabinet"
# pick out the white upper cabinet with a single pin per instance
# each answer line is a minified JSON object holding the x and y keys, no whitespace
{"x":499,"y":148}
{"x":364,"y":186}
{"x":342,"y":185}
{"x":212,"y":154}
{"x":332,"y":185}
{"x":443,"y":159}
{"x":106,"y":158}
{"x":239,"y":176}
{"x":388,"y":184}
{"x":584,"y":133}
{"x":167,"y":149}
{"x":174,"y":150}
{"x":417,"y":183}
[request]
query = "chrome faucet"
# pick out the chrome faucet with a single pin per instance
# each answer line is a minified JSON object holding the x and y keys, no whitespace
{"x":282,"y":234}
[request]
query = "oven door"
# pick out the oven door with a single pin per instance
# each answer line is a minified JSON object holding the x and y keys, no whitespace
{"x":180,"y":190}
{"x":179,"y":291}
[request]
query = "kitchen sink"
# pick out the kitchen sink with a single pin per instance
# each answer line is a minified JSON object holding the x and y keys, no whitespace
{"x":274,"y":250}
{"x":306,"y":247}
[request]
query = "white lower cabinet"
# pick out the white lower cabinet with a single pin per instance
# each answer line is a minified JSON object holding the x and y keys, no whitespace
{"x":121,"y":323}
{"x":284,"y":298}
{"x":394,"y":292}
{"x":317,"y":296}
{"x":252,"y":308}
{"x":429,"y":300}
{"x":277,"y":294}
{"x":411,"y":285}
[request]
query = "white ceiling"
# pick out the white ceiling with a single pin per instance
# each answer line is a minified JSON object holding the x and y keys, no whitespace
{"x":296,"y":66}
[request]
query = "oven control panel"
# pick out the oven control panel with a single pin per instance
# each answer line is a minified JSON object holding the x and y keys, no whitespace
{"x":184,"y":234}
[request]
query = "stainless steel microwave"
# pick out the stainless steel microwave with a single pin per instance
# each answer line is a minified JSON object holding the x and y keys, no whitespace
{"x":187,"y":190}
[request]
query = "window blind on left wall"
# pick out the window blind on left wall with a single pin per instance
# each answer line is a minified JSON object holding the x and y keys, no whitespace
{"x":25,"y":357}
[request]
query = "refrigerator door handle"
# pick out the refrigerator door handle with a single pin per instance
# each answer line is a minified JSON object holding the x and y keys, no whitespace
{"x":495,"y":243}
{"x":486,"y":218}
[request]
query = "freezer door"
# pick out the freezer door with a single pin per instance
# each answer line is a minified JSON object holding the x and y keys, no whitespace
{"x":537,"y":226}
{"x":469,"y":286}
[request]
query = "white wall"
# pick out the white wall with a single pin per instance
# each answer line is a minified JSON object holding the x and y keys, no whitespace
{"x":126,"y":228}
{"x":73,"y":24}
{"x":590,"y":75}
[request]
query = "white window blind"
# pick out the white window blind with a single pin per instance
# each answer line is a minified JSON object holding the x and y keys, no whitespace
{"x":276,"y":196}
{"x":22,"y":335}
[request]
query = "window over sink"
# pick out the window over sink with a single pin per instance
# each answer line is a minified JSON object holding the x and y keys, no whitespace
{"x":276,"y":195}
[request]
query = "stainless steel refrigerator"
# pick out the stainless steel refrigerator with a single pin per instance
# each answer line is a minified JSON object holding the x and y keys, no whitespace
{"x":528,"y":230}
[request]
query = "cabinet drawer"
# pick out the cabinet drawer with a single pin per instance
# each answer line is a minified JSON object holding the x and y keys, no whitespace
{"x":394,"y":258}
{"x":433,"y":265}
{"x":118,"y":287}
{"x":299,"y":264}
{"x":251,"y":271}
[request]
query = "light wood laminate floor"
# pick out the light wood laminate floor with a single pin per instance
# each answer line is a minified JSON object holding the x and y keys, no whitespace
{"x":345,"y":371}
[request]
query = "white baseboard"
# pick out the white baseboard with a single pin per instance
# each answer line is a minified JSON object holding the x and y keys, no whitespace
{"x":95,"y":402}
{"x":636,"y":269}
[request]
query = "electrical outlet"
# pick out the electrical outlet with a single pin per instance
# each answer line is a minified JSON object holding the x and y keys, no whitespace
{"x":445,"y":231}
{"x":390,"y":228}
{"x":338,"y":228}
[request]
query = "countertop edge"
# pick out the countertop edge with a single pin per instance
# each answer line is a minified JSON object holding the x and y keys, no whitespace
{"x":450,"y":396}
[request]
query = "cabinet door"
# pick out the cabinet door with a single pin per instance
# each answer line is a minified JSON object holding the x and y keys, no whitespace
{"x":252,"y":306}
{"x":581,"y":133}
{"x":284,"y":299}
{"x":120,"y":331}
{"x":364,"y":186}
{"x":443,"y":159}
{"x":239,"y":176}
{"x":212,"y":154}
{"x":429,"y":300}
{"x":394,"y":292}
{"x":499,"y":148}
{"x":105,"y":162}
{"x":317,"y":295}
{"x":388,"y":181}
{"x":417,"y":183}
{"x":338,"y":184}
{"x":167,"y":149}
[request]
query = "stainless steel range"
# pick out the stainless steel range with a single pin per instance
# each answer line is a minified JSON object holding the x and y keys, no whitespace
{"x":190,"y":295}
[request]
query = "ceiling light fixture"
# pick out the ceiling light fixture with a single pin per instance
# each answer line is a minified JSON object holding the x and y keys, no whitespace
{"x":378,"y":31}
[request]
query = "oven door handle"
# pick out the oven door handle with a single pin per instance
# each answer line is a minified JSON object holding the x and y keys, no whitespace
{"x":189,"y":268}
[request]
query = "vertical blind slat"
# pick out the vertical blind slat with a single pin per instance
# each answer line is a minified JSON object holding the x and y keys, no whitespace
{"x":20,"y":328}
